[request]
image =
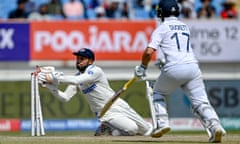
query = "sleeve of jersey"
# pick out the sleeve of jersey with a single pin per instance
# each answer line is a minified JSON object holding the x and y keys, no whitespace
{"x":156,"y":39}
{"x":65,"y":96}
{"x":89,"y":76}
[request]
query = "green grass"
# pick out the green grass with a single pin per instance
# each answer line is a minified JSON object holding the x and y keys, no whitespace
{"x":15,"y":101}
{"x":16,"y":95}
{"x":173,"y":137}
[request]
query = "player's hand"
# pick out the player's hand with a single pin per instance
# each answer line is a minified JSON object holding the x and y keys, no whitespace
{"x":140,"y":71}
{"x":50,"y":77}
{"x":41,"y":82}
{"x":42,"y":78}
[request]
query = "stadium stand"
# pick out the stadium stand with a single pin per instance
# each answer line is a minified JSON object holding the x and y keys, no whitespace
{"x":141,"y":14}
{"x":8,"y":5}
{"x":91,"y":14}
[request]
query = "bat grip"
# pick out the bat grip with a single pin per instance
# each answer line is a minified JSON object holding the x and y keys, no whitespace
{"x":129,"y":83}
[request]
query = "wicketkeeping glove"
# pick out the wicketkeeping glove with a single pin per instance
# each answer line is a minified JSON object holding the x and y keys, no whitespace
{"x":50,"y":77}
{"x":42,"y":78}
{"x":43,"y":69}
{"x":140,"y":71}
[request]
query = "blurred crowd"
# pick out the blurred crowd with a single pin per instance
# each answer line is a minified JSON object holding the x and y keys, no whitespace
{"x":118,"y":9}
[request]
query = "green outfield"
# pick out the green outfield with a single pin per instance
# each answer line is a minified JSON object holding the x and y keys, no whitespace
{"x":232,"y":137}
{"x":15,"y":101}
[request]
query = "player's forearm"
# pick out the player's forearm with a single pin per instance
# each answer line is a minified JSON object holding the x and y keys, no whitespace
{"x":63,"y":96}
{"x":69,"y":80}
{"x":76,"y":80}
{"x":147,"y":56}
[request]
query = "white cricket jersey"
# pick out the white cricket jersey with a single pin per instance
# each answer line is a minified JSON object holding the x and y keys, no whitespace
{"x":93,"y":85}
{"x":173,"y":37}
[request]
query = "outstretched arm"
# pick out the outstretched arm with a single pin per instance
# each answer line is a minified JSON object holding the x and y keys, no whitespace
{"x":59,"y":77}
{"x":75,"y":80}
{"x":65,"y":96}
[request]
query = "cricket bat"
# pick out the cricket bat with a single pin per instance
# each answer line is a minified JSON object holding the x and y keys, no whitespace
{"x":116,"y":96}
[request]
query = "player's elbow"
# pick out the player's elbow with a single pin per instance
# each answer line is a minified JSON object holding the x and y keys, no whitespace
{"x":132,"y":130}
{"x":148,"y":52}
{"x":62,"y":97}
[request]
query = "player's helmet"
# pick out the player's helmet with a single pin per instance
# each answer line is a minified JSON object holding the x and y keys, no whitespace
{"x":85,"y":52}
{"x":167,"y":8}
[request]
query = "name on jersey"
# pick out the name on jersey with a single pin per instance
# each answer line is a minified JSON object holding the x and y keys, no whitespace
{"x":178,"y":27}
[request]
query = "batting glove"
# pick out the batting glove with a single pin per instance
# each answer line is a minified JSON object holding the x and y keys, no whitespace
{"x":140,"y":71}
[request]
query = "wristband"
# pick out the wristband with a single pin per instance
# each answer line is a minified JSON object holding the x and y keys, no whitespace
{"x":143,"y":66}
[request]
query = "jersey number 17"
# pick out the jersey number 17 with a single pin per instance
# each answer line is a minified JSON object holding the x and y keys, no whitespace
{"x":176,"y":37}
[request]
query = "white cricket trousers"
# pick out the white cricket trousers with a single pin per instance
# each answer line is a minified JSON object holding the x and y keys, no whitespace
{"x":123,"y":117}
{"x":189,"y":78}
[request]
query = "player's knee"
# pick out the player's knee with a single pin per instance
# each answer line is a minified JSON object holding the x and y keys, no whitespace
{"x":132,"y":129}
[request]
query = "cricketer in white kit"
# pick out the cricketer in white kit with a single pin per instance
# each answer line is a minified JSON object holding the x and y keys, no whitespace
{"x":120,"y":119}
{"x":181,"y":69}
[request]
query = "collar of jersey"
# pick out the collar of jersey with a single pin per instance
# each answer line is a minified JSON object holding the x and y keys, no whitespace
{"x":170,"y":18}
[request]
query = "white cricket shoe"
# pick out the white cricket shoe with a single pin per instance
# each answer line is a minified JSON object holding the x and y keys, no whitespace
{"x":159,"y":132}
{"x":217,"y":133}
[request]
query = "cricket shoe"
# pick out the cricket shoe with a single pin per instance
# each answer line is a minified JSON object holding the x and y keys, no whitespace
{"x":103,"y":130}
{"x":217,"y":132}
{"x":159,"y":132}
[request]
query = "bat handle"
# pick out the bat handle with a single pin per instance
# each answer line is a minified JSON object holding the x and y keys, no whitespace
{"x":129,"y":83}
